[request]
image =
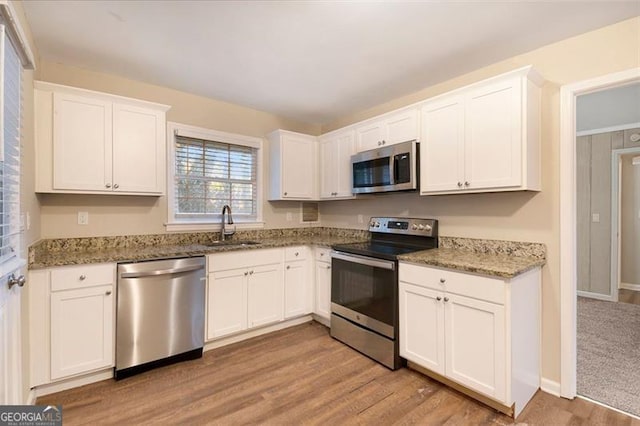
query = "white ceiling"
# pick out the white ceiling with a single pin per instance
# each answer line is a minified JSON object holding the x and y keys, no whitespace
{"x":311,"y":61}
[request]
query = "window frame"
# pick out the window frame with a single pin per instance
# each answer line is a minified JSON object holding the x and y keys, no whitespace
{"x":209,"y":224}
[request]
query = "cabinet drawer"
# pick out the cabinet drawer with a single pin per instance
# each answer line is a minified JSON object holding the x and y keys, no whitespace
{"x":295,"y":253}
{"x":478,"y":287}
{"x":243,"y":259}
{"x":323,"y":254}
{"x":82,"y":276}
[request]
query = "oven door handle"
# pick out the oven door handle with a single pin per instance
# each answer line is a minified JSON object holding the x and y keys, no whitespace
{"x":368,"y":261}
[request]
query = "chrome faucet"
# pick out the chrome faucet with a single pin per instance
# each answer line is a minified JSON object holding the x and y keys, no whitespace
{"x":223,"y":230}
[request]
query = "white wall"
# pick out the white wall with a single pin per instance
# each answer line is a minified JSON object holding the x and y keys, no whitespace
{"x":608,"y":108}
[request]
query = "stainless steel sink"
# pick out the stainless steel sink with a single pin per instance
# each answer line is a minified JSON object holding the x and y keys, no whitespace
{"x":231,"y":243}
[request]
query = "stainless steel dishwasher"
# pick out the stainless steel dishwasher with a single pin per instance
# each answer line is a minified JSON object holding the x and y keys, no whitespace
{"x":160,"y":313}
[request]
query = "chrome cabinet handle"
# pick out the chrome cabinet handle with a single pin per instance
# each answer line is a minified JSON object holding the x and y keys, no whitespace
{"x":466,"y":183}
{"x":108,"y":185}
{"x":459,"y":184}
{"x":288,"y":266}
{"x":19,"y":281}
{"x":383,"y":142}
{"x":438,"y":298}
{"x":379,"y":143}
{"x":446,"y":299}
{"x":442,"y":280}
{"x":82,"y":277}
{"x":116,"y":186}
{"x":250,"y":272}
{"x":108,"y":293}
{"x":246,"y":273}
{"x":297,"y":253}
{"x":328,"y":267}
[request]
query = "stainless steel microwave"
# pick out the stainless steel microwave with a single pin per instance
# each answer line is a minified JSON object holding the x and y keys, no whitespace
{"x":391,"y":168}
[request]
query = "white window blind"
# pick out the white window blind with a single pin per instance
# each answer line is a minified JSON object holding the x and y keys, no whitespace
{"x":10,"y":122}
{"x":210,"y":174}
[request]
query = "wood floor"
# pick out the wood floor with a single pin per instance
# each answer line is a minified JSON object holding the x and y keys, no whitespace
{"x":629,"y":296}
{"x":299,"y":376}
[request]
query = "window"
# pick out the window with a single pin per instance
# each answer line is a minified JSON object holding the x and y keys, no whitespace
{"x":211,"y":169}
{"x":10,"y":119}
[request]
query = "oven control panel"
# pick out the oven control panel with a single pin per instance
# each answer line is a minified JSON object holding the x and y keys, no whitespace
{"x":404,"y":225}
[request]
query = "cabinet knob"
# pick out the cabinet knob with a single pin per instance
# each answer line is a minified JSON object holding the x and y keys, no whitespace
{"x":321,"y":254}
{"x":288,"y":266}
{"x":466,"y":183}
{"x":438,"y":298}
{"x":442,"y":280}
{"x":459,"y":184}
{"x":297,"y":253}
{"x":379,"y":143}
{"x":116,"y":186}
{"x":446,"y":299}
{"x":246,"y":273}
{"x":250,"y":272}
{"x":285,"y":193}
{"x":328,"y":267}
{"x":383,"y":142}
{"x":13,"y":280}
{"x":108,"y":185}
{"x":108,"y":293}
{"x":82,"y":277}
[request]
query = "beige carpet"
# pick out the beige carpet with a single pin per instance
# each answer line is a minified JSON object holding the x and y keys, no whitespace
{"x":609,"y":353}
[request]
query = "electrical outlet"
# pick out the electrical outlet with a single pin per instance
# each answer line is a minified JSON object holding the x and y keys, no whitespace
{"x":360,"y":218}
{"x":83,"y":218}
{"x":289,"y":217}
{"x":595,"y":217}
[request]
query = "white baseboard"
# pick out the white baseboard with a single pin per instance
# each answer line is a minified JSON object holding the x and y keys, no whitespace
{"x":73,"y":382}
{"x":597,"y":296}
{"x":550,"y":386}
{"x":322,"y":320}
{"x":630,"y":286}
{"x":224,"y":341}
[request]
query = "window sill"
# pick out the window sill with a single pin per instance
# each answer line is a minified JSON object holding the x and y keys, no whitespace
{"x":208,"y":226}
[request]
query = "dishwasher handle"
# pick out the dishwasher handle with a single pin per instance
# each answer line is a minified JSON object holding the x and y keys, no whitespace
{"x":160,"y":272}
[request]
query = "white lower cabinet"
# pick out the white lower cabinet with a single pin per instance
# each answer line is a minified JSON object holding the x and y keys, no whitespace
{"x":482,"y":333}
{"x":298,"y":282}
{"x":323,"y":283}
{"x":244,"y":291}
{"x":72,"y":321}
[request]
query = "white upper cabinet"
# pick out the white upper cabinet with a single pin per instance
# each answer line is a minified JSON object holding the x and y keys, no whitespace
{"x":336,"y":149}
{"x":90,"y":142}
{"x":484,"y":137}
{"x":388,"y":129}
{"x":293,"y":166}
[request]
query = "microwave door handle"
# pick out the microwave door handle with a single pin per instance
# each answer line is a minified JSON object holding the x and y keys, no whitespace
{"x":392,"y":169}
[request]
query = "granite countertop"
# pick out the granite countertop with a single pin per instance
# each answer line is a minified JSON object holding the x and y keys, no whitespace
{"x":497,"y":265}
{"x":505,"y":259}
{"x":61,"y":255}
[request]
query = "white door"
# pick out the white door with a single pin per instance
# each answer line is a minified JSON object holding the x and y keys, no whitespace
{"x":401,"y":127}
{"x":442,"y":146}
{"x":265,"y":295}
{"x":138,"y":144}
{"x":82,"y":137}
{"x":323,"y":289}
{"x":493,"y":127}
{"x":81,"y":330}
{"x":227,"y":302}
{"x":296,"y":289}
{"x":422,"y":326}
{"x":298,"y":160}
{"x":10,"y":345}
{"x":476,"y":345}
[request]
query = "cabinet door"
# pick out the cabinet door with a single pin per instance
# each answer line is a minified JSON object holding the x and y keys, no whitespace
{"x":323,"y":289}
{"x":493,"y":140}
{"x":401,"y":127}
{"x":298,"y":167}
{"x":227,"y":303}
{"x":297,"y":289}
{"x":476,"y":345}
{"x":138,"y":145}
{"x":335,"y":165}
{"x":370,"y":135}
{"x":265,"y":295}
{"x":442,"y":146}
{"x":81,"y":330}
{"x":422,"y":326}
{"x":82,"y":151}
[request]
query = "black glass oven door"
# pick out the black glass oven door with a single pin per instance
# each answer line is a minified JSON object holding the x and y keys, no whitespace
{"x":365,"y":289}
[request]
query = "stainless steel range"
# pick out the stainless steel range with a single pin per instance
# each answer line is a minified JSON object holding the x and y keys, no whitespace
{"x":364,"y":285}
